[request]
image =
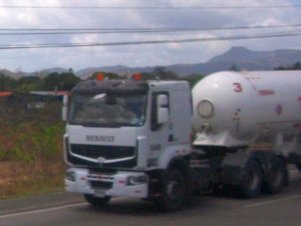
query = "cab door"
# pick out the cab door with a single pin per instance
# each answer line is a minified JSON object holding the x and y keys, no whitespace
{"x":160,"y":131}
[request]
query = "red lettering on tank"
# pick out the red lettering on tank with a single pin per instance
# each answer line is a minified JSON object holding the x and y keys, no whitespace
{"x":279,"y":109}
{"x":238,"y":87}
{"x":266,"y":92}
{"x":297,"y":125}
{"x":299,"y":99}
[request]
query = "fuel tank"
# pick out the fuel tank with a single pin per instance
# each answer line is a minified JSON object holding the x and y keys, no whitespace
{"x":233,"y":108}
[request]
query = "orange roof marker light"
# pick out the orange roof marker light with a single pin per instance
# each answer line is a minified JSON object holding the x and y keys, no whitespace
{"x":137,"y":77}
{"x":100,"y":76}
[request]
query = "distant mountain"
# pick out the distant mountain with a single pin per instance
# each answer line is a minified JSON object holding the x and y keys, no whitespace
{"x":15,"y":75}
{"x":245,"y":59}
{"x":238,"y":57}
{"x":53,"y":70}
{"x":43,"y":73}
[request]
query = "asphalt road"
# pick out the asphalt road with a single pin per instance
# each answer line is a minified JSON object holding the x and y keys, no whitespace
{"x":68,"y":209}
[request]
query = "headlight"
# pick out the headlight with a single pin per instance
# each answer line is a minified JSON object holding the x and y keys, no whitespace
{"x":135,"y":180}
{"x":70,"y":175}
{"x":206,"y":109}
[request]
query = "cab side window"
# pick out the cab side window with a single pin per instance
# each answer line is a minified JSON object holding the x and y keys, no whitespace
{"x":160,"y":110}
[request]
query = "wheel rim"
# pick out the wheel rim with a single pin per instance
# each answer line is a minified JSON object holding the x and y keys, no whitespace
{"x":277,"y":179}
{"x":254,"y":180}
{"x":174,"y":190}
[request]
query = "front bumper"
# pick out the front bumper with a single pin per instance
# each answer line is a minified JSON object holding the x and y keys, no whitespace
{"x":124,"y":184}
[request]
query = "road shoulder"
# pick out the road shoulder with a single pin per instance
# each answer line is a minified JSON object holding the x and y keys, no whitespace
{"x":39,"y":202}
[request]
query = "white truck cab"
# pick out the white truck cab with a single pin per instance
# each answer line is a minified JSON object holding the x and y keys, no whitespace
{"x":119,"y":132}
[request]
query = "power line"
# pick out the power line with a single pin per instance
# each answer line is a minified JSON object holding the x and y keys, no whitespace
{"x":166,"y":41}
{"x":132,"y":30}
{"x":148,"y":7}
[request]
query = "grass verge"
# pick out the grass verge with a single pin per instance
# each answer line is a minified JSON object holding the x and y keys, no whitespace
{"x":31,"y":148}
{"x":18,"y":179}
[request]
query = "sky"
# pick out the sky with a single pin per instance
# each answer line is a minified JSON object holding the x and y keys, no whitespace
{"x":183,"y":29}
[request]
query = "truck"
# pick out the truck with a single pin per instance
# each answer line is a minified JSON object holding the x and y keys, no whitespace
{"x":158,"y":140}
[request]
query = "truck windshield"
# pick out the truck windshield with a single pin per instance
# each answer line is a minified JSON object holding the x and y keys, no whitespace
{"x":108,"y":110}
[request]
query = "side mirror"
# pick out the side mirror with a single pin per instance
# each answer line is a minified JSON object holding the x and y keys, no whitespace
{"x":162,"y":109}
{"x":65,"y":108}
{"x":162,"y":100}
{"x":163,"y":115}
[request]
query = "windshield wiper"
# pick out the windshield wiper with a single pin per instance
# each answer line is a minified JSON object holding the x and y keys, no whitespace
{"x":103,"y":124}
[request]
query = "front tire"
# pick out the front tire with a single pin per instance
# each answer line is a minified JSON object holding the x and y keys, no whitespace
{"x":98,"y":202}
{"x":298,"y":166}
{"x":174,"y":190}
{"x":252,"y":180}
{"x":278,"y":178}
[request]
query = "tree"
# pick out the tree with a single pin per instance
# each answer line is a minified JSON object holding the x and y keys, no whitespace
{"x":51,"y":82}
{"x":7,"y":83}
{"x":68,"y":81}
{"x":296,"y":66}
{"x":234,"y":67}
{"x":57,"y":81}
{"x":29,"y":83}
{"x":193,"y":79}
{"x":161,"y":73}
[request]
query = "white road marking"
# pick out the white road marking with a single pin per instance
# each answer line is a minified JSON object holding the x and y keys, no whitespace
{"x":43,"y":210}
{"x":272,"y":201}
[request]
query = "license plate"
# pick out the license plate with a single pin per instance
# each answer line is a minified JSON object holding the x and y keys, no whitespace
{"x":99,"y":193}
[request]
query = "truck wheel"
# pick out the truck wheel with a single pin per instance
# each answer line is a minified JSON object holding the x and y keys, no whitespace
{"x":173,"y":195}
{"x":298,"y":166}
{"x":278,"y":178}
{"x":252,"y":180}
{"x":97,"y":201}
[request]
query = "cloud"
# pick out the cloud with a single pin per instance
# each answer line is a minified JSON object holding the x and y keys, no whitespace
{"x":138,"y":55}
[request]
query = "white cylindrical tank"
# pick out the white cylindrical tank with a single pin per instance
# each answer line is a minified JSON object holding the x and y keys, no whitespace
{"x":232,"y":108}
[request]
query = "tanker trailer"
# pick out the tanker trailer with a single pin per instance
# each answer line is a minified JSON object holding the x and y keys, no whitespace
{"x":247,"y":128}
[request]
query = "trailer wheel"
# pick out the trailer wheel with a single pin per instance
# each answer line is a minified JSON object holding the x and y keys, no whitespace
{"x":252,"y":180}
{"x":97,"y":201}
{"x":278,"y":178}
{"x":298,"y":166}
{"x":173,"y":195}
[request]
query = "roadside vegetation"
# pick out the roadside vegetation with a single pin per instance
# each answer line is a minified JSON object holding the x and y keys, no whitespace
{"x":31,"y":137}
{"x":31,"y":159}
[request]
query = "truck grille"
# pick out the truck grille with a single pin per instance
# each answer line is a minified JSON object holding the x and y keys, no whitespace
{"x":125,"y":157}
{"x":107,"y":152}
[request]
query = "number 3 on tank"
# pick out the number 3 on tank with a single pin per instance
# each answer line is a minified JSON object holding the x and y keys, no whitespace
{"x":237,"y":87}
